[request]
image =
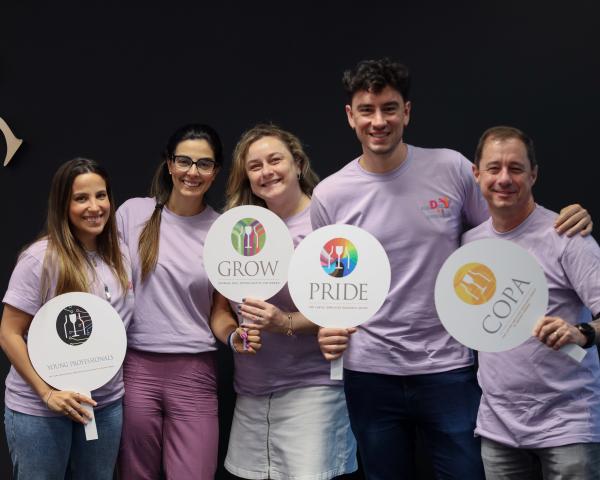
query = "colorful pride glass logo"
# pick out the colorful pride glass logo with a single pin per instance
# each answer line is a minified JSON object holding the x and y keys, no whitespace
{"x":339,"y":257}
{"x":248,"y":237}
{"x":474,"y":283}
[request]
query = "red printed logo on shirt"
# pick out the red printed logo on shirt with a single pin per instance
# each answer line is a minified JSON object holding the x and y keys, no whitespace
{"x":437,"y":207}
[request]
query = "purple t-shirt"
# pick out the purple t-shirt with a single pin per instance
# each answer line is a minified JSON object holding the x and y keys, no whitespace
{"x":172,"y":307}
{"x":283,"y":362}
{"x":417,"y":212}
{"x":24,"y":292}
{"x":534,"y":396}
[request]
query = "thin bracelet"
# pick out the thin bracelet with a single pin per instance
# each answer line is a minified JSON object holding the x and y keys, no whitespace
{"x":48,"y":397}
{"x":290,"y":330}
{"x":230,"y":341}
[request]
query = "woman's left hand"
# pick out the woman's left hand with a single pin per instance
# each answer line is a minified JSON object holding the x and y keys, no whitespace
{"x":555,"y":332}
{"x":264,"y":315}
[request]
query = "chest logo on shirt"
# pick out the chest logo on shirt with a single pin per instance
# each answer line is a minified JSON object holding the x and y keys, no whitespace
{"x":437,"y":207}
{"x":474,"y":283}
{"x":74,"y":325}
{"x":339,"y":257}
{"x":248,"y":237}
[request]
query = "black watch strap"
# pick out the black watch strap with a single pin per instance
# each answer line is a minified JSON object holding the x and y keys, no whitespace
{"x":588,"y":332}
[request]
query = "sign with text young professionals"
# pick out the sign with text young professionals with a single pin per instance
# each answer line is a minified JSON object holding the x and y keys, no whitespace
{"x":77,"y":342}
{"x":339,"y":277}
{"x":247,"y":252}
{"x":490,"y":293}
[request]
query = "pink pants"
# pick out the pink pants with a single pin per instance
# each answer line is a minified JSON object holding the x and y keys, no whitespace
{"x":169,"y":416}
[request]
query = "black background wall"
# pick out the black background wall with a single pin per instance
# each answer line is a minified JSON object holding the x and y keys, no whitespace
{"x":111,"y":82}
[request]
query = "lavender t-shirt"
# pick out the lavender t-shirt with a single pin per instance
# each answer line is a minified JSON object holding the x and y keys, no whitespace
{"x":283,"y":361}
{"x":24,"y":292}
{"x":534,"y":396}
{"x":172,"y":307}
{"x":417,"y":212}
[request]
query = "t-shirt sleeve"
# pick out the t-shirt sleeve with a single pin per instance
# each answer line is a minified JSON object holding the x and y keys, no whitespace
{"x":475,"y":210}
{"x":121,"y":224}
{"x":581,"y":263}
{"x":24,"y":286}
{"x":318,"y":213}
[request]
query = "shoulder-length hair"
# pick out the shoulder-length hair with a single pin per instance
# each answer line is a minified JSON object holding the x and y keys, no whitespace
{"x":162,"y":186}
{"x":238,"y":189}
{"x":65,"y":255}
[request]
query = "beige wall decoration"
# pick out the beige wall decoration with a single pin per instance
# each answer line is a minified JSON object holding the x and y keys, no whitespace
{"x":12,"y":143}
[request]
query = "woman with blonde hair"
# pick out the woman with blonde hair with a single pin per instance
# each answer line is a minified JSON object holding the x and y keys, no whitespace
{"x":290,"y":419}
{"x":170,"y":411}
{"x":79,"y":252}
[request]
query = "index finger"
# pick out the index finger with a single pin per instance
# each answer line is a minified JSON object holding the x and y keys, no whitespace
{"x":254,"y":302}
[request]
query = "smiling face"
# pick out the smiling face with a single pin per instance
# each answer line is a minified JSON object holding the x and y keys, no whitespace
{"x":272,"y":171}
{"x":379,"y":120}
{"x":89,"y":208}
{"x":191,"y":184}
{"x":506,"y":177}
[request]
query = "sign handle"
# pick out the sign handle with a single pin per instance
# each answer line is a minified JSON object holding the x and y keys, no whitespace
{"x":574,"y":351}
{"x":337,"y":369}
{"x":91,"y":432}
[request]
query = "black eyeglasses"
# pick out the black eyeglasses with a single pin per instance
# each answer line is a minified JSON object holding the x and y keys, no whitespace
{"x":184,"y":163}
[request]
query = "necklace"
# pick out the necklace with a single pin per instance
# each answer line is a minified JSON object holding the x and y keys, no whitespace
{"x":93,"y":258}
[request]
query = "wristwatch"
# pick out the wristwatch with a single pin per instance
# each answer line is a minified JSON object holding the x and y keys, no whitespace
{"x":588,"y":332}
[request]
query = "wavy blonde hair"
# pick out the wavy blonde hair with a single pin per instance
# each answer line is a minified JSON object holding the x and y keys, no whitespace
{"x":238,"y":191}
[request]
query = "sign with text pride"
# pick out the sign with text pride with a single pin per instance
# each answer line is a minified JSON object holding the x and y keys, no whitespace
{"x":339,"y":276}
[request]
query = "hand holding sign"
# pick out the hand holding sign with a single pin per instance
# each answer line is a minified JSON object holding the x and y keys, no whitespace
{"x":339,"y":278}
{"x":490,"y":293}
{"x":76,"y":343}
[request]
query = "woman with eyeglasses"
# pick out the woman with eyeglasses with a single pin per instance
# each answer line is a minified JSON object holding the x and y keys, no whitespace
{"x":79,"y":252}
{"x":170,"y":410}
{"x":290,"y":419}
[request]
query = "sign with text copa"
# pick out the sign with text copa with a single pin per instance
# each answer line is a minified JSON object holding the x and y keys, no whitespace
{"x":490,"y":293}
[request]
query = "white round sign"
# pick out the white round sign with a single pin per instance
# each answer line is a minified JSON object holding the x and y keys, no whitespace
{"x":489,"y":295}
{"x":339,"y":276}
{"x":247,"y":253}
{"x":76,"y":341}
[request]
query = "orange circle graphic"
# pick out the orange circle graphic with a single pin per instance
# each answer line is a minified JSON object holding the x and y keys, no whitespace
{"x":474,"y":283}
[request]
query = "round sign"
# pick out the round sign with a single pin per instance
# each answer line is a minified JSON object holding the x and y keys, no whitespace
{"x":76,"y":341}
{"x":339,"y":276}
{"x":489,"y":295}
{"x":247,"y":252}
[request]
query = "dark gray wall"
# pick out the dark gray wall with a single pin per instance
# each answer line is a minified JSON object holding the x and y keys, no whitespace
{"x":111,"y":83}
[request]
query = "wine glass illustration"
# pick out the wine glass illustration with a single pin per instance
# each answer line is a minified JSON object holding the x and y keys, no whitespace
{"x":468,"y":281}
{"x":339,"y":249}
{"x":73,"y":320}
{"x":248,"y":233}
{"x":255,"y":235}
